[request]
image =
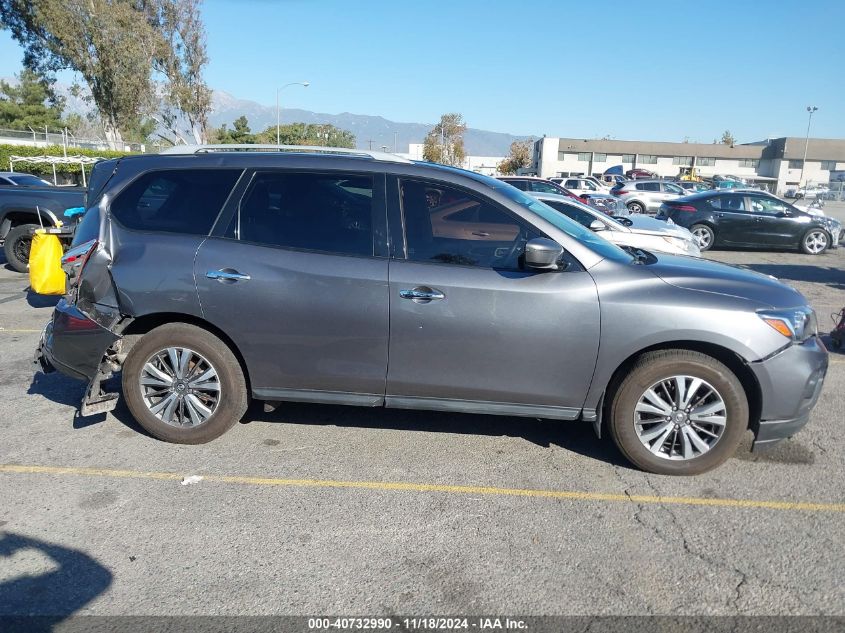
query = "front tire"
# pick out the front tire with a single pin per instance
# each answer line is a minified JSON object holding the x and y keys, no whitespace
{"x":815,"y":242}
{"x":183,"y":384}
{"x":17,"y":245}
{"x":678,"y":412}
{"x":704,"y":236}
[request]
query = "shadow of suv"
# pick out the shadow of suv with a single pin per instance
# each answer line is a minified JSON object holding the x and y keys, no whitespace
{"x":212,"y":275}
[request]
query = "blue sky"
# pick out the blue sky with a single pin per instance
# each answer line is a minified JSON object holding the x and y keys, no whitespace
{"x":631,"y":70}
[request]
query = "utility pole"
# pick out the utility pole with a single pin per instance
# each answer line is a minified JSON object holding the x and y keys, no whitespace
{"x":395,"y":141}
{"x":304,"y":84}
{"x":371,"y":143}
{"x":810,"y":109}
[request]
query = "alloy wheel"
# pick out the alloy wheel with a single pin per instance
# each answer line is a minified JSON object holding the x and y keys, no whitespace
{"x":815,"y":242}
{"x":680,"y":417}
{"x":180,"y":387}
{"x":702,"y":236}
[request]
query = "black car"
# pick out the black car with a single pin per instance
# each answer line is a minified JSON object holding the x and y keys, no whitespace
{"x":751,"y":218}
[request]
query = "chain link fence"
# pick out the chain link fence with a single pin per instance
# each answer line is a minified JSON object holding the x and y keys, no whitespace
{"x":44,"y":138}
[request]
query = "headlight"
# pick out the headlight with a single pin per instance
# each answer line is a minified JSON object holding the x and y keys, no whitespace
{"x":798,"y":324}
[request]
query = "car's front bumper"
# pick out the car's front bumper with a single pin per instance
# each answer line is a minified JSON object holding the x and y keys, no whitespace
{"x":790,"y":383}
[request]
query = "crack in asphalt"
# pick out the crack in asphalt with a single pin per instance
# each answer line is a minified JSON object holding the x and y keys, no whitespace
{"x":743,"y":577}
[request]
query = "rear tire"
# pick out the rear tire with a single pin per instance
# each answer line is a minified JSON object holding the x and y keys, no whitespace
{"x":630,"y":430}
{"x":704,"y":236}
{"x":635,"y":207}
{"x":17,"y":245}
{"x":218,"y":408}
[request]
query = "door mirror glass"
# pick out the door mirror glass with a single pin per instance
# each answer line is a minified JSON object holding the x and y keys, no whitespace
{"x":542,"y":253}
{"x":598,"y":225}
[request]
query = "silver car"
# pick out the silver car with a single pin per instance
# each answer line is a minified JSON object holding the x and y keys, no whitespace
{"x":635,"y":231}
{"x":646,"y":196}
{"x":209,"y":276}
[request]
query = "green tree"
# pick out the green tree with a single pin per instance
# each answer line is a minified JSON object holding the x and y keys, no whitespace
{"x":728,"y":138}
{"x":518,"y":157}
{"x":323,"y":134}
{"x":181,"y":58}
{"x":116,"y":46}
{"x":238,"y":133}
{"x":445,"y":141}
{"x":30,"y":103}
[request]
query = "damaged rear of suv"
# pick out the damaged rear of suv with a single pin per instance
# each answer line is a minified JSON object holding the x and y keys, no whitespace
{"x":122,"y":251}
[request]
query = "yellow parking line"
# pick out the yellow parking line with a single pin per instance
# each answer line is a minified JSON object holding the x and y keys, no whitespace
{"x":418,"y":487}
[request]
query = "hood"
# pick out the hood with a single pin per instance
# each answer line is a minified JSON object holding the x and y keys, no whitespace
{"x":653,"y":226}
{"x":708,"y":276}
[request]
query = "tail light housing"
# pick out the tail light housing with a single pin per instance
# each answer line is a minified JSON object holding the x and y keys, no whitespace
{"x":73,"y":262}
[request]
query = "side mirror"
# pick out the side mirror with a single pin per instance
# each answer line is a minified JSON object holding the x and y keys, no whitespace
{"x":542,"y":253}
{"x":598,"y":225}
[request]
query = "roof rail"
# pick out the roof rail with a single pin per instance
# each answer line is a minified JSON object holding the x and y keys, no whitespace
{"x":315,"y":149}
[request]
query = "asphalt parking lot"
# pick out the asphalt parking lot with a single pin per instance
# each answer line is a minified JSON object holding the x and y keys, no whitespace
{"x":318,"y":509}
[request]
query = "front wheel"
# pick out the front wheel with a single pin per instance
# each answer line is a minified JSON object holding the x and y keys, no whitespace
{"x":17,"y":245}
{"x":815,"y":242}
{"x":183,"y":384}
{"x":678,"y":412}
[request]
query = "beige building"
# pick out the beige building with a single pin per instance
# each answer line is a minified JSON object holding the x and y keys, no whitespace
{"x":774,"y":162}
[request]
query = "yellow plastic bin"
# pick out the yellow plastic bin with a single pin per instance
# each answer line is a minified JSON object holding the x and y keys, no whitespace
{"x":46,"y":276}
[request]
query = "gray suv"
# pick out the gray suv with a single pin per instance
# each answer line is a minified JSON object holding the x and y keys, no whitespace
{"x":210,"y":277}
{"x":646,"y":196}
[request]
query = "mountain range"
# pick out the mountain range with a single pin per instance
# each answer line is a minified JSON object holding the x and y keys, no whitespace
{"x":371,"y":132}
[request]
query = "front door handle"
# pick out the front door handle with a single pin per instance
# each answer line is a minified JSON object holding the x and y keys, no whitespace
{"x":227,"y":275}
{"x":422,"y":294}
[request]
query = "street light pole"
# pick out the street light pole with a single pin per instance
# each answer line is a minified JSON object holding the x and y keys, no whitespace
{"x":810,"y":109}
{"x":304,"y":84}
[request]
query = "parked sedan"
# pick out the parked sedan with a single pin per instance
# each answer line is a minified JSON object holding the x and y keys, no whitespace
{"x":751,"y":218}
{"x":636,"y":231}
{"x":646,"y":196}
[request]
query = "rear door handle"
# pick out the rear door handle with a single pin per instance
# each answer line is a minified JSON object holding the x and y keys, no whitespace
{"x":422,"y":294}
{"x":227,"y":275}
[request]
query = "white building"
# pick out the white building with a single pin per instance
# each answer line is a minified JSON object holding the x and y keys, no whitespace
{"x":488,"y":165}
{"x":774,"y":162}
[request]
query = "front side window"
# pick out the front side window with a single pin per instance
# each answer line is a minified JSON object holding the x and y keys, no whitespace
{"x":768,"y":206}
{"x":332,"y":213}
{"x":448,"y":226}
{"x":582,"y":217}
{"x":175,"y":201}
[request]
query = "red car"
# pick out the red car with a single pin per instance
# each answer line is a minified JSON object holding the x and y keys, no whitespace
{"x":634,"y":174}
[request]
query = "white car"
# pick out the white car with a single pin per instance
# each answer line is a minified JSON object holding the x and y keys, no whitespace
{"x":806,"y":192}
{"x":582,"y":184}
{"x":636,"y":231}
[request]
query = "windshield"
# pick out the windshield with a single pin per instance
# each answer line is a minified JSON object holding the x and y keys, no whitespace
{"x":584,"y":235}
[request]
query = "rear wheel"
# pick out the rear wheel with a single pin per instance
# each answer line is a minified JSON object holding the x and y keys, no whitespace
{"x":704,"y":235}
{"x":815,"y":242}
{"x":183,"y":384}
{"x":678,"y":412}
{"x":635,"y":207}
{"x":17,"y":245}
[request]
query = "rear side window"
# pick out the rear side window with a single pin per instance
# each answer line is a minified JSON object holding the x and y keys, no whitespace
{"x":648,"y":186}
{"x":88,"y":228}
{"x":332,"y":213}
{"x":175,"y":201}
